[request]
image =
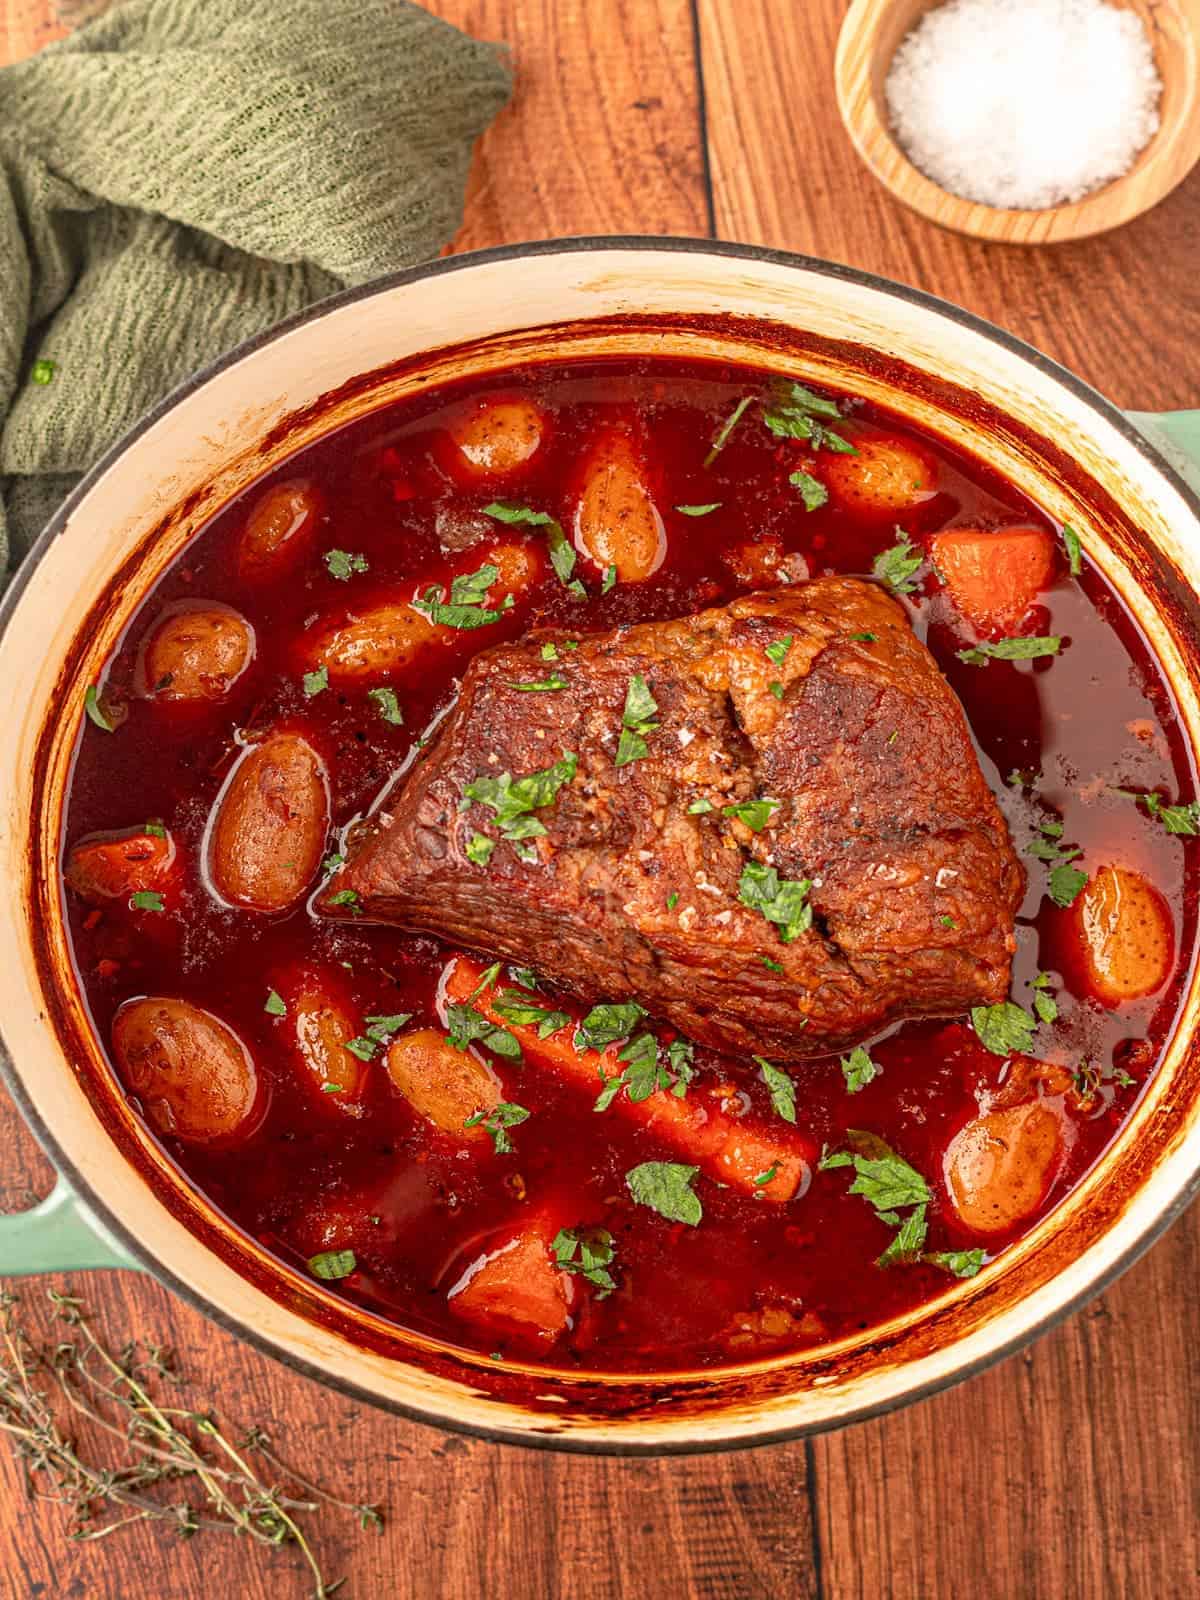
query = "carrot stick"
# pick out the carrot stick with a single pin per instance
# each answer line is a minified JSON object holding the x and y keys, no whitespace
{"x":697,"y":1125}
{"x":518,"y":1283}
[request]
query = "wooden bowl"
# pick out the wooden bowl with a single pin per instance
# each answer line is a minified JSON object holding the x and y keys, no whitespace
{"x":870,"y":35}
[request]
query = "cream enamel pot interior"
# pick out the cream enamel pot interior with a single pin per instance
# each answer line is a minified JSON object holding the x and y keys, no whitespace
{"x":979,"y":389}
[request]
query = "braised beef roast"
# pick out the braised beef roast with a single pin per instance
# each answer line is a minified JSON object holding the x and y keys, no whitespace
{"x":765,"y":823}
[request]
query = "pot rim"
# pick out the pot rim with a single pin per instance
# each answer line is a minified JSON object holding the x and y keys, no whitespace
{"x":581,"y":244}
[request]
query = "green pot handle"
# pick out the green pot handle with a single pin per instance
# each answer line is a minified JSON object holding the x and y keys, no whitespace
{"x":1175,"y":435}
{"x":60,"y":1234}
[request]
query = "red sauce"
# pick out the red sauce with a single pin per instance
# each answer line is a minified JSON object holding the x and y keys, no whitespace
{"x":417,"y":1207}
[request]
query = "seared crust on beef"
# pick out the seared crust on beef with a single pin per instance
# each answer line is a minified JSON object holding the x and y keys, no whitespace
{"x":881,"y":804}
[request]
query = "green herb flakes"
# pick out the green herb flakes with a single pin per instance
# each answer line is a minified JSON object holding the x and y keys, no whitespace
{"x":96,"y":710}
{"x":515,"y":800}
{"x":776,"y":689}
{"x":636,"y":722}
{"x":274,"y":1006}
{"x":332,"y":1264}
{"x":672,"y":900}
{"x":609,"y":580}
{"x":498,"y":1121}
{"x":1065,"y":884}
{"x":1073,"y":548}
{"x":587,"y":1252}
{"x":1026,"y":648}
{"x":389,"y":706}
{"x":797,"y":413}
{"x":605,"y":1024}
{"x":42,"y":372}
{"x":466,"y":606}
{"x":342,"y":563}
{"x":146,"y":900}
{"x":315,"y":682}
{"x":479,"y":849}
{"x":777,"y":650}
{"x":774,"y":966}
{"x":958,"y":1263}
{"x":562,"y":551}
{"x":155,"y":829}
{"x":349,"y":899}
{"x":782,"y":901}
{"x":468,"y":1026}
{"x":859,"y":1070}
{"x":812,"y":491}
{"x":754,"y":813}
{"x":542,"y":685}
{"x":761,"y":1179}
{"x":898,"y":567}
{"x":700,"y":511}
{"x":890,"y":1185}
{"x":666,"y":1187}
{"x":1177,"y":819}
{"x":721,"y":437}
{"x":523,"y":1012}
{"x":1005,"y":1029}
{"x":700,"y":807}
{"x":783,"y":1090}
{"x":1044,"y":1003}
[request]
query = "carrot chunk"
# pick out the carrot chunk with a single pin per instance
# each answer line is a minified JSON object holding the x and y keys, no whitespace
{"x":517,"y":1287}
{"x":774,"y":1165}
{"x":993,"y":577}
{"x":1126,"y":934}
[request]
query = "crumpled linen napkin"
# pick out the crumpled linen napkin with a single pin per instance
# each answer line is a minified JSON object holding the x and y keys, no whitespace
{"x":181,"y":174}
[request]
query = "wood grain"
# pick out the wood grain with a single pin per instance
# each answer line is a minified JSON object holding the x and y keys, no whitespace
{"x":1071,"y":1470}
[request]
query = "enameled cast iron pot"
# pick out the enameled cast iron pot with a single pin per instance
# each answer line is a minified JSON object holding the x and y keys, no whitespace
{"x":122,"y":1202}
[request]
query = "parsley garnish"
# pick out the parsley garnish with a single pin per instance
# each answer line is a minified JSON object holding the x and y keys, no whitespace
{"x":783,"y":1090}
{"x":636,"y":722}
{"x":795,"y":414}
{"x":520,"y":1010}
{"x":468,"y":1026}
{"x":886,"y":1182}
{"x":383,"y":1027}
{"x":363,"y":1048}
{"x":666,"y":1187}
{"x":155,"y":829}
{"x":562,"y":551}
{"x":782,"y":901}
{"x":347,"y":897}
{"x":608,"y":581}
{"x":699,"y":807}
{"x":275,"y":1006}
{"x":466,"y":607}
{"x":1044,"y":1003}
{"x":700,"y":511}
{"x":767,"y":962}
{"x":542,"y":685}
{"x":605,"y":1024}
{"x":1180,"y":819}
{"x":1003,"y":1029}
{"x":897,"y":567}
{"x":588,"y":1252}
{"x":42,"y":372}
{"x":761,"y":1179}
{"x":514,"y":800}
{"x":332,"y":1264}
{"x":672,"y":900}
{"x":146,"y":900}
{"x":1027,"y":648}
{"x":96,"y":711}
{"x":331,"y":863}
{"x":859,"y":1070}
{"x":479,"y":849}
{"x":721,"y":437}
{"x":389,"y":706}
{"x":776,"y":689}
{"x":1064,"y":881}
{"x":342,"y":563}
{"x":959,"y":1263}
{"x":754,"y":813}
{"x":777,"y":650}
{"x":812,"y":491}
{"x":497,"y":1121}
{"x":1073,"y":548}
{"x":867,"y":638}
{"x":549,"y":651}
{"x":316,"y":682}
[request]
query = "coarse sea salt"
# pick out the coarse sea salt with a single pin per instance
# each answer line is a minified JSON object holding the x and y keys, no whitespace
{"x":1024,"y":104}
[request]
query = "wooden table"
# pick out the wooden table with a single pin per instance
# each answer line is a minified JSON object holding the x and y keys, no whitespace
{"x":1073,"y":1470}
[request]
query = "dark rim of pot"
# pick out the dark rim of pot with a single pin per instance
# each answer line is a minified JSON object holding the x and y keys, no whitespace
{"x":547,"y":1438}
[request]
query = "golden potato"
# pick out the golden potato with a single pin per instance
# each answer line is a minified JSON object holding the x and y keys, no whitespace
{"x":442,"y":1084}
{"x":192,"y":1073}
{"x":885,"y":477}
{"x":280,"y":530}
{"x":616,"y":522}
{"x":1000,"y":1166}
{"x":1127,"y":939}
{"x":269,"y":825}
{"x":195,"y":652}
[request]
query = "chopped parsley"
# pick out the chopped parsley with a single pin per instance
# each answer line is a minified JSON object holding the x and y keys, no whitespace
{"x":587,"y":1252}
{"x":1180,"y":819}
{"x":867,"y":638}
{"x":666,"y":1187}
{"x":542,"y":685}
{"x":342,"y":563}
{"x":383,"y":1027}
{"x":146,"y":900}
{"x":466,"y":607}
{"x":1064,"y":881}
{"x":347,"y":897}
{"x":721,"y":437}
{"x":797,"y":413}
{"x":522,"y":1012}
{"x":889,"y":1184}
{"x":549,"y":651}
{"x":42,"y":372}
{"x":363,"y":1048}
{"x":859,"y":1070}
{"x":777,"y":650}
{"x":642,"y":1073}
{"x":773,"y":965}
{"x":1027,"y":648}
{"x":812,"y":491}
{"x":316,"y":682}
{"x":782,"y":901}
{"x":514,"y":800}
{"x":699,"y":807}
{"x":275,"y":1006}
{"x":479,"y":849}
{"x":898,"y":567}
{"x":1044,"y":1002}
{"x":609,"y":580}
{"x":96,"y":710}
{"x":469,"y":1026}
{"x":1073,"y":548}
{"x":389,"y":706}
{"x":155,"y":829}
{"x":959,"y":1263}
{"x":700,"y":511}
{"x":498,"y":1121}
{"x":1004,"y":1029}
{"x":783,"y":1090}
{"x":776,"y":689}
{"x":761,"y":1179}
{"x":636,"y":722}
{"x":331,"y":863}
{"x":605,"y":1024}
{"x":754,"y":813}
{"x":562,"y":551}
{"x":672,"y":900}
{"x":332,"y":1264}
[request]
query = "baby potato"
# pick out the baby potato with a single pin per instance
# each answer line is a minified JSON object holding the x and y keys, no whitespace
{"x":885,"y":477}
{"x":319,"y":1024}
{"x":616,"y":522}
{"x":280,"y":531}
{"x":112,"y":866}
{"x":194,"y":1076}
{"x":370,"y":644}
{"x":1000,"y":1166}
{"x":993,"y":576}
{"x":195,"y":652}
{"x":520,"y":566}
{"x":495,"y":436}
{"x":268,"y":827}
{"x":1126,"y":935}
{"x":442,"y":1084}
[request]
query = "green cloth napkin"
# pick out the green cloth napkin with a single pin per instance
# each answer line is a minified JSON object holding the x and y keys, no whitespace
{"x":181,"y":174}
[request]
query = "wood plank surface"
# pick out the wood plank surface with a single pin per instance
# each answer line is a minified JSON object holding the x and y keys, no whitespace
{"x":1073,"y":1470}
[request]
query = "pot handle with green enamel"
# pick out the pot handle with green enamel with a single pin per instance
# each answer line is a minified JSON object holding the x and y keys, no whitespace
{"x":59,"y":1234}
{"x":1176,"y":436}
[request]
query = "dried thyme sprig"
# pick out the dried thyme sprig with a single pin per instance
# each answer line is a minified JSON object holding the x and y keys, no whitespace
{"x":163,"y":1444}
